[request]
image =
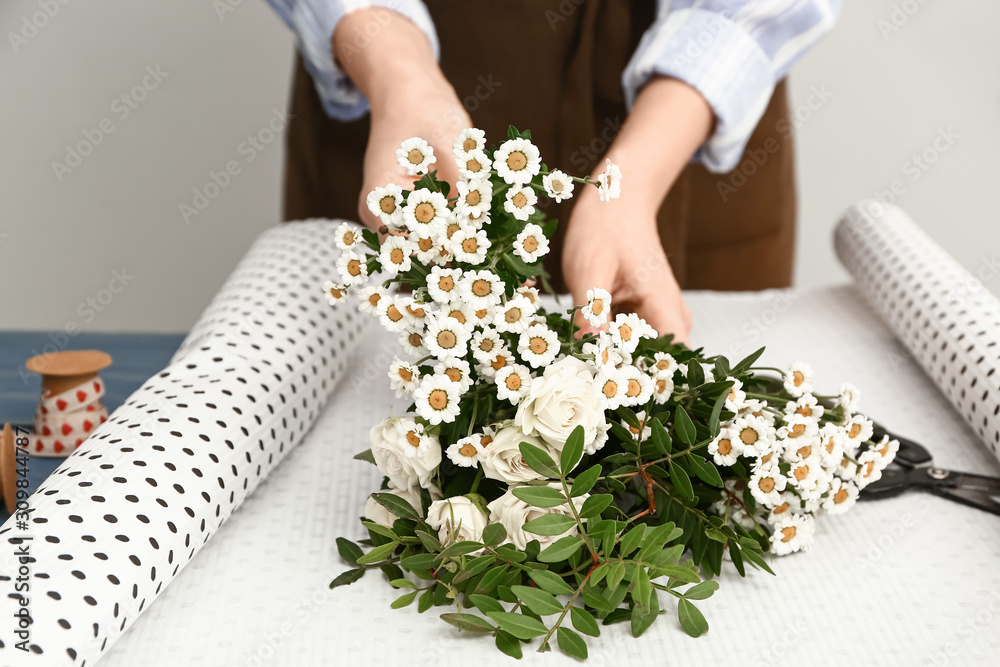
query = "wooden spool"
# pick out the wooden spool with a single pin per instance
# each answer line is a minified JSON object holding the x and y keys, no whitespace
{"x":62,"y":371}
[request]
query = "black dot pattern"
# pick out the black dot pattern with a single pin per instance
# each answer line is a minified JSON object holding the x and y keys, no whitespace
{"x":945,"y":317}
{"x":116,"y":522}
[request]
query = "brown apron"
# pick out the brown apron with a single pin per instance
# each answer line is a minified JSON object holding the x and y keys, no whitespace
{"x":561,"y":78}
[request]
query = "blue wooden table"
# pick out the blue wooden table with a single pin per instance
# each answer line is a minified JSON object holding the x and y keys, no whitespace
{"x":136,"y":358}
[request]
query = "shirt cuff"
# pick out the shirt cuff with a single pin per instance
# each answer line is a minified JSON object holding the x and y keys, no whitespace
{"x":314,"y":23}
{"x":721,"y":61}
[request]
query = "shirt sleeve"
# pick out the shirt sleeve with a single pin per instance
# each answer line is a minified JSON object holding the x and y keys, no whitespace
{"x":733,"y":52}
{"x":313,"y":22}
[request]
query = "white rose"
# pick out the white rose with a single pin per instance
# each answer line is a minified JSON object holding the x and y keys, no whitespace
{"x":502,"y":460}
{"x":456,"y":519}
{"x":380,"y":515}
{"x":564,"y":397}
{"x":513,"y":513}
{"x":404,"y":472}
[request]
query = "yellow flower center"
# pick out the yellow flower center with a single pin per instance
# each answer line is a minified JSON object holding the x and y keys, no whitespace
{"x":538,"y":345}
{"x":485,"y":441}
{"x":405,"y":374}
{"x":788,"y":533}
{"x":499,"y":362}
{"x":625,"y":331}
{"x":840,"y":496}
{"x":348,"y":238}
{"x":454,"y":374}
{"x":468,"y":449}
{"x":393,"y":313}
{"x":447,"y":339}
{"x":557,"y":185}
{"x":415,"y":339}
{"x":438,"y":399}
{"x":513,"y":382}
{"x":725,"y":446}
{"x":470,"y":245}
{"x":486,"y":345}
{"x":749,"y":436}
{"x":413,"y":438}
{"x":781,"y":509}
{"x":512,"y":315}
{"x":336,"y":292}
{"x":661,"y":386}
{"x":446,"y":283}
{"x":662,"y":364}
{"x":451,"y":229}
{"x":797,"y":430}
{"x":530,"y":244}
{"x":424,"y":212}
{"x":396,"y":256}
{"x":517,"y":161}
{"x":458,"y":315}
{"x":473,"y":165}
{"x":610,"y":388}
{"x":805,"y":411}
{"x":374,"y":298}
{"x":473,"y":198}
{"x":801,"y":472}
{"x":519,"y":200}
{"x":387,"y":204}
{"x":469,"y":144}
{"x":633,"y":389}
{"x":597,"y":306}
{"x":425,"y":244}
{"x":481,"y":287}
{"x":805,"y":451}
{"x":855,"y":430}
{"x":766,"y":484}
{"x":798,"y":378}
{"x":354,"y":267}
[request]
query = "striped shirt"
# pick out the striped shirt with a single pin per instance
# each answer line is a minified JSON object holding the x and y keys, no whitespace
{"x":732,"y":51}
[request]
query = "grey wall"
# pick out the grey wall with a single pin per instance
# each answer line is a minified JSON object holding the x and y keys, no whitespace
{"x":884,"y":94}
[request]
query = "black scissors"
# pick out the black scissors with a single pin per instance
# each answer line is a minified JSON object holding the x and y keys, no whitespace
{"x":913,"y":468}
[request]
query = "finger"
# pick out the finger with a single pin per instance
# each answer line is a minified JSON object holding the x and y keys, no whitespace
{"x":667,"y":316}
{"x":599,"y":274}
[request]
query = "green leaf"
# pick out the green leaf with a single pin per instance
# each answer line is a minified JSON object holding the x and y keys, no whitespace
{"x":550,"y":524}
{"x":539,"y":460}
{"x":349,"y":551}
{"x":519,"y":625}
{"x":594,"y":505}
{"x":701,"y":591}
{"x":684,"y":426}
{"x":681,"y":481}
{"x":425,"y":601}
{"x":584,"y":621}
{"x":365,"y":456}
{"x":402,"y":583}
{"x":494,"y":534}
{"x":617,"y":616}
{"x":713,"y":421}
{"x":404,"y":600}
{"x":561,"y":549}
{"x":643,"y":617}
{"x":349,"y":577}
{"x":396,"y":505}
{"x":430,"y":542}
{"x":423,"y":561}
{"x":550,"y":582}
{"x":378,"y":553}
{"x":468,"y":622}
{"x":660,"y":437}
{"x":642,"y":588}
{"x":746,"y":363}
{"x":691,"y":619}
{"x":379,"y":529}
{"x":509,"y":644}
{"x":493,"y":577}
{"x":679,"y":572}
{"x":616,"y":572}
{"x":632,"y":539}
{"x":572,"y":451}
{"x":485,"y":603}
{"x":585,"y":481}
{"x":540,"y":496}
{"x":537,"y":600}
{"x":705,"y":470}
{"x":460,"y":549}
{"x":571,"y":643}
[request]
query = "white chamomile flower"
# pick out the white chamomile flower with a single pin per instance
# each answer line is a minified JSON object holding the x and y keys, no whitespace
{"x":347,"y":236}
{"x":437,"y":399}
{"x":841,"y":496}
{"x":368,"y":298}
{"x":464,"y":453}
{"x":470,"y":245}
{"x":726,"y":447}
{"x":442,"y":284}
{"x":663,"y":388}
{"x":474,"y":165}
{"x":461,"y":312}
{"x":517,"y":161}
{"x":425,"y":245}
{"x":797,"y":427}
{"x":529,"y":293}
{"x":392,"y":316}
{"x":514,"y":316}
{"x":352,"y":268}
{"x":513,"y":383}
{"x":755,"y":435}
{"x":831,"y":444}
{"x":446,"y":337}
{"x":849,"y":398}
{"x":469,"y":139}
{"x":610,"y":183}
{"x":386,"y":203}
{"x":482,"y":317}
{"x":418,"y":311}
{"x":612,"y":384}
{"x":606,"y":356}
{"x":803,"y":448}
{"x":869,"y":469}
{"x":858,"y":429}
{"x":806,"y":405}
{"x":496,"y":362}
{"x":485,"y":344}
{"x":520,"y":202}
{"x":481,"y":289}
{"x":558,"y":186}
{"x":425,"y":212}
{"x":792,"y":532}
{"x":413,"y":440}
{"x":598,"y":307}
{"x":638,"y":386}
{"x":798,"y":379}
{"x":412,"y":341}
{"x":531,"y":243}
{"x":886,"y":448}
{"x":664,"y":365}
{"x":737,"y":397}
{"x":474,"y":198}
{"x":394,"y":255}
{"x":335,"y":292}
{"x":805,"y":474}
{"x":403,"y":377}
{"x":627,"y":329}
{"x":538,"y":345}
{"x":457,"y":370}
{"x":415,"y":155}
{"x":766,"y":484}
{"x":644,"y":430}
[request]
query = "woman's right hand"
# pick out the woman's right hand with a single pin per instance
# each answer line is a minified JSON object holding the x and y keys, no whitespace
{"x":407,"y":93}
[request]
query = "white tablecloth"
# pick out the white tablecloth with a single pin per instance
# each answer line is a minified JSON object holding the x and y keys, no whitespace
{"x":907,"y":581}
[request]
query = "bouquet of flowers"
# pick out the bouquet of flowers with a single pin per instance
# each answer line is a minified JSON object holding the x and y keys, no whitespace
{"x":546,"y":482}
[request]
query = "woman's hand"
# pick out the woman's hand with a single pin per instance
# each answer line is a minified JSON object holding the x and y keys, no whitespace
{"x":407,"y":93}
{"x":617,"y":246}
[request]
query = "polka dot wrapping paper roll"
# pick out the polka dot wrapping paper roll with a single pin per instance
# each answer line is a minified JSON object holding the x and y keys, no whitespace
{"x":117,"y":521}
{"x":946,"y":318}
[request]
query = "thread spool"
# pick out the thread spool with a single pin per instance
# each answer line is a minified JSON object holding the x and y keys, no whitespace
{"x":8,"y":469}
{"x":70,"y":406}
